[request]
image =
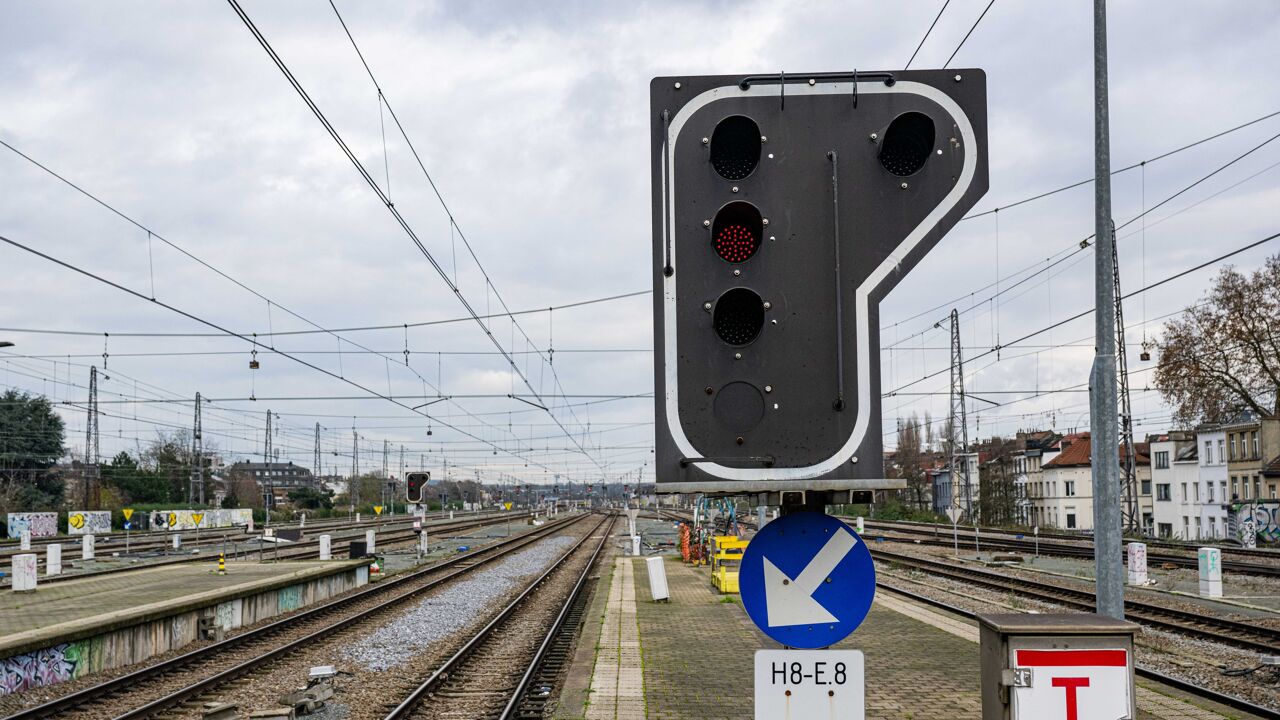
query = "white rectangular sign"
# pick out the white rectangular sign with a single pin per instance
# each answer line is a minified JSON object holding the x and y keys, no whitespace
{"x":1071,"y":684}
{"x":827,"y":684}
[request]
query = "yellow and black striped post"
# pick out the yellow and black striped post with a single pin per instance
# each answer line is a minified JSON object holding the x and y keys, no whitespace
{"x":222,"y":564}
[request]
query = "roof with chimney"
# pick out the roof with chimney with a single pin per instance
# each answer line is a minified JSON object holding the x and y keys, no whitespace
{"x":1076,"y":454}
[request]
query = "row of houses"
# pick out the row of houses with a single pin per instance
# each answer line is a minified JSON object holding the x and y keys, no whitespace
{"x":1187,"y":484}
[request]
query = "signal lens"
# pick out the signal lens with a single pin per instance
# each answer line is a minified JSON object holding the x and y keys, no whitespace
{"x":907,"y":144}
{"x":738,"y":317}
{"x":736,"y":232}
{"x":735,"y":147}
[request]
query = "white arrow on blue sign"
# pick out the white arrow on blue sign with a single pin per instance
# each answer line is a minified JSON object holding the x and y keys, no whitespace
{"x":807,"y":580}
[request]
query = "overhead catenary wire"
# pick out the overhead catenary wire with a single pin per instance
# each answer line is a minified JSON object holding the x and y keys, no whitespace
{"x":330,"y":331}
{"x":404,"y":224}
{"x":1071,"y":186}
{"x":926,"y":34}
{"x":1085,"y":313}
{"x":209,"y":323}
{"x":965,"y":39}
{"x":1079,"y":247}
{"x":152,"y":233}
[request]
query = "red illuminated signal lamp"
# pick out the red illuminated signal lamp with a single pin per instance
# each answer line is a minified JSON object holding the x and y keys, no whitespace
{"x":736,"y":243}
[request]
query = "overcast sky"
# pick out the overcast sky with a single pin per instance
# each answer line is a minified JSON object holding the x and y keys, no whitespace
{"x":532,"y":119}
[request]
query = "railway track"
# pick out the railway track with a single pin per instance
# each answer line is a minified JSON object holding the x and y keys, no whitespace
{"x":506,"y":669}
{"x":1051,"y":536}
{"x":161,"y":541}
{"x":1204,"y":627}
{"x":183,"y":680}
{"x":306,"y":549}
{"x":1173,"y":682}
{"x":942,"y":537}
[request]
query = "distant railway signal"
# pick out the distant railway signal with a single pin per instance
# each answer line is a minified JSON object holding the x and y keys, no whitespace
{"x":414,"y":483}
{"x":785,"y":207}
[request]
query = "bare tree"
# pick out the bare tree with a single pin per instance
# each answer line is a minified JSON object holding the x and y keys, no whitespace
{"x":997,"y":497}
{"x":910,"y":461}
{"x":1222,"y":355}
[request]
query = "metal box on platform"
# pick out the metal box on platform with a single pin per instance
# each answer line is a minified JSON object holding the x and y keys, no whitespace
{"x":1074,"y":667}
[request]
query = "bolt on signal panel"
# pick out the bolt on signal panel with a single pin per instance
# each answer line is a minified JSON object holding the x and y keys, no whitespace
{"x":785,"y":207}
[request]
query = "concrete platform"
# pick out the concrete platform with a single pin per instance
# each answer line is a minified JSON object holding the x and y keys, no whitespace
{"x":73,"y":628}
{"x":697,"y":655}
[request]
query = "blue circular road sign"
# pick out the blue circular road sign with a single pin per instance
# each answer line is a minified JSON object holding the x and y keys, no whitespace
{"x":807,"y":580}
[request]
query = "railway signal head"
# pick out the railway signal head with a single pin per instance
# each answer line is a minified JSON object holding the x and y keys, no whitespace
{"x":785,"y":207}
{"x":414,"y":483}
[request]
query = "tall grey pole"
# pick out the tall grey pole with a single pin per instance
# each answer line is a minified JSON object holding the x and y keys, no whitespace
{"x":1103,"y":411}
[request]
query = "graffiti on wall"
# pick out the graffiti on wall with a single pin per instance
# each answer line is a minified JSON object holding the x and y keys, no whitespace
{"x":1257,"y":522}
{"x":44,"y":667}
{"x":289,"y":598}
{"x":88,"y":522}
{"x":38,"y":523}
{"x":189,"y":519}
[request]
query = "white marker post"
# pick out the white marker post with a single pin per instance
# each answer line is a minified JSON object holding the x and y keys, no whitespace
{"x":1036,"y":531}
{"x":326,"y":547}
{"x":369,"y":537}
{"x":86,"y":547}
{"x":177,"y":542}
{"x":24,"y":540}
{"x":862,"y":526}
{"x":1137,"y":563}
{"x":658,"y":579}
{"x":1210,"y":572}
{"x":24,"y":573}
{"x":53,"y":560}
{"x":635,"y":546}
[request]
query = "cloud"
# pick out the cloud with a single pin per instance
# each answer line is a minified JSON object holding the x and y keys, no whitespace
{"x":532,"y":119}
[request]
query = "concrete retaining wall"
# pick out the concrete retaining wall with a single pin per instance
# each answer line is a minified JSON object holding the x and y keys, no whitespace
{"x":135,"y":643}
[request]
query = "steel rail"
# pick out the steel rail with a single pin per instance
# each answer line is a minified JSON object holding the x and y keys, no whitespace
{"x":1062,"y":550}
{"x":1231,"y":701}
{"x":304,"y":549}
{"x":523,"y":686}
{"x":406,"y":707}
{"x":1229,"y":632}
{"x":916,"y":526}
{"x":481,"y":556}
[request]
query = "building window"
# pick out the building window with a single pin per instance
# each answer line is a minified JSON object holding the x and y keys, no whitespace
{"x":1184,"y":493}
{"x":1257,"y":454}
{"x":1208,"y":453}
{"x":1221,"y":458}
{"x":1166,"y":529}
{"x":1069,"y":488}
{"x":1213,"y":527}
{"x":1162,"y":492}
{"x":1146,"y":487}
{"x":1186,"y":528}
{"x":1162,"y":460}
{"x":1195,"y":488}
{"x":1233,"y":447}
{"x":1071,"y":521}
{"x":1244,"y":488}
{"x":1223,"y":485}
{"x":1235,"y":489}
{"x":1257,"y":487}
{"x":1198,"y":526}
{"x":1209,"y":485}
{"x":1273,"y":490}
